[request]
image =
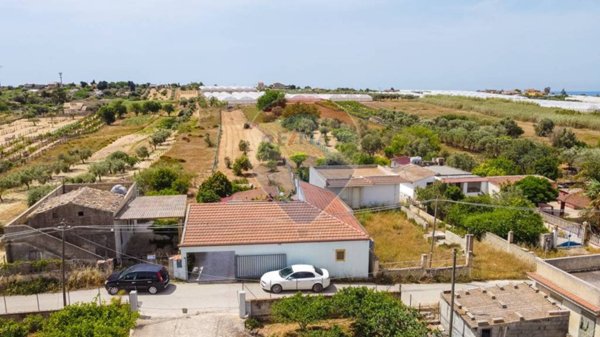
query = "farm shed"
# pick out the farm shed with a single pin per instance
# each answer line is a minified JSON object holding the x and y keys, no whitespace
{"x":224,"y":241}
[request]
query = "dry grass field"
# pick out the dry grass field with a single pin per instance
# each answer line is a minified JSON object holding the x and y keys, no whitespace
{"x":400,"y":243}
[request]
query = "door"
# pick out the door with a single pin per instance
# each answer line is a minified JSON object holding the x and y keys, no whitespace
{"x":144,"y":280}
{"x":301,"y":280}
{"x":127,"y":282}
{"x":290,"y":282}
{"x":306,"y":280}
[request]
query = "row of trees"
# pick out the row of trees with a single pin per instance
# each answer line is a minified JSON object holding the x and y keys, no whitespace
{"x":513,"y":209}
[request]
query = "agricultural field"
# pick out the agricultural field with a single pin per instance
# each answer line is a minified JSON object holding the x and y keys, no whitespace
{"x":160,"y":94}
{"x":585,"y":126}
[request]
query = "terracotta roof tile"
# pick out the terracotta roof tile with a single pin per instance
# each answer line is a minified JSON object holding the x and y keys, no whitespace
{"x":240,"y":223}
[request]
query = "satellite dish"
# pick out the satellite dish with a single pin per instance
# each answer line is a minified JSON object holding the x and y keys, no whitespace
{"x":119,"y":189}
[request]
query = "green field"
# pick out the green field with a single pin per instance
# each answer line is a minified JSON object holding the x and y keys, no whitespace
{"x":522,"y":111}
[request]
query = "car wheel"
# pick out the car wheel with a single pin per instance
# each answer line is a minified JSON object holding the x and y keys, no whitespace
{"x":113,"y":290}
{"x":152,"y":290}
{"x":276,"y":289}
{"x":318,"y":287}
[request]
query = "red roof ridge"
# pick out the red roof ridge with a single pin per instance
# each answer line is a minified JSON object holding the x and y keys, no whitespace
{"x":358,"y":227}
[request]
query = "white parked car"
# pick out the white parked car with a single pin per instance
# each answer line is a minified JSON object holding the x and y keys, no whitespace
{"x":296,"y":277}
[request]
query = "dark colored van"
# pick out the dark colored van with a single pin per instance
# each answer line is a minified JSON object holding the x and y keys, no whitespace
{"x":142,"y":277}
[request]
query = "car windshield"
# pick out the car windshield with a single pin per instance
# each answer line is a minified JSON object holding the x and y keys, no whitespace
{"x":285,"y":272}
{"x":319,"y":271}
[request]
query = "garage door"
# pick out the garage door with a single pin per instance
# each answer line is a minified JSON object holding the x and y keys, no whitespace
{"x":253,"y":266}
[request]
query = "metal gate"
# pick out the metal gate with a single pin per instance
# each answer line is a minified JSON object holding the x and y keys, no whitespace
{"x":253,"y":266}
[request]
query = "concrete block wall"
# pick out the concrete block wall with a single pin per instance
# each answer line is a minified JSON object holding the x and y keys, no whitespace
{"x":502,"y":244}
{"x":576,"y":263}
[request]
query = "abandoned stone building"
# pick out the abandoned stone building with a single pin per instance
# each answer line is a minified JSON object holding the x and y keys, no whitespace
{"x":100,"y":221}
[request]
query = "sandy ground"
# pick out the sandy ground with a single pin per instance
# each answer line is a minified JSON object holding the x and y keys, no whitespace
{"x":233,"y":131}
{"x":126,"y":143}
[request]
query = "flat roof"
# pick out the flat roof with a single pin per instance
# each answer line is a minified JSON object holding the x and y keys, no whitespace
{"x":354,"y":171}
{"x":154,"y":207}
{"x":413,"y":173}
{"x":358,"y":175}
{"x":503,"y":304}
{"x":444,"y":170}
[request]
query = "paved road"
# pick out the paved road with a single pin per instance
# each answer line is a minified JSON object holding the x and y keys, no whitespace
{"x":212,"y":298}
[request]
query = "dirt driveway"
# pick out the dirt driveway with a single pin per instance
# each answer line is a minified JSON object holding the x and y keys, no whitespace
{"x":232,"y":132}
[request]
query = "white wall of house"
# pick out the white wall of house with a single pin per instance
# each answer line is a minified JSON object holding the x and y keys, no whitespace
{"x":378,"y":195}
{"x":320,"y":254}
{"x":492,"y":189}
{"x":408,"y":190}
{"x":314,"y":178}
{"x":460,"y":327}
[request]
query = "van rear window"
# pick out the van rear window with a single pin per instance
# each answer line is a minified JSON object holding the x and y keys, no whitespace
{"x":319,"y":271}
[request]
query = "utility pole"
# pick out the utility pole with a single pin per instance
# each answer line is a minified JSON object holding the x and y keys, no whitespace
{"x":62,"y":265}
{"x":452,"y":291}
{"x":60,"y":75}
{"x":435,"y":211}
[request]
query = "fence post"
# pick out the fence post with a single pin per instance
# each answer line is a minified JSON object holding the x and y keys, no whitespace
{"x":37,"y":297}
{"x":509,"y":240}
{"x":424,"y":258}
{"x":133,"y":300}
{"x":242,"y":303}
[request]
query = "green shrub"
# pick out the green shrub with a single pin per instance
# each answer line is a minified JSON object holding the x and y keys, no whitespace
{"x":91,"y":319}
{"x":334,"y":331}
{"x":35,"y":194}
{"x":34,"y":323}
{"x":10,"y":328}
{"x":301,"y":309}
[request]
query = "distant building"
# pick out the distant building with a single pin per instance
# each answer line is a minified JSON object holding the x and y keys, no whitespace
{"x":515,"y":310}
{"x":359,"y":185}
{"x":74,"y":108}
{"x":469,"y":184}
{"x":575,"y":283}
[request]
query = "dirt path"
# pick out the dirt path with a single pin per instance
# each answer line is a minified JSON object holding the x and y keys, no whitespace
{"x":232,"y":132}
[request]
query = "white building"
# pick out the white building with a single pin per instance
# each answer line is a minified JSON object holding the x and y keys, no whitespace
{"x":415,"y":177}
{"x":226,"y":241}
{"x":359,"y":185}
{"x":470,"y":184}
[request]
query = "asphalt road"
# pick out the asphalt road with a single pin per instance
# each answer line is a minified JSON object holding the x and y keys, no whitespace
{"x":211,"y":298}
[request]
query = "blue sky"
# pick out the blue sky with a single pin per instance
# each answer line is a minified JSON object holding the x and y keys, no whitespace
{"x":410,"y":44}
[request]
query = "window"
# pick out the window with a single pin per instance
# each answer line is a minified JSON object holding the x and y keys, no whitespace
{"x":340,"y":255}
{"x":129,"y":277}
{"x":80,"y":213}
{"x":54,"y":215}
{"x":486,"y":333}
{"x":302,"y":275}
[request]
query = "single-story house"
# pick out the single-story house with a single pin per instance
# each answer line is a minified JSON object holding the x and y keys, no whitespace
{"x":414,"y":177}
{"x":574,"y":282}
{"x":514,"y":310}
{"x":244,"y":239}
{"x":470,"y":184}
{"x":359,"y":185}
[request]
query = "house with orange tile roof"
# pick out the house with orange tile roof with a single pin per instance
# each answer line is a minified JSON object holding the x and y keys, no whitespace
{"x":244,"y":239}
